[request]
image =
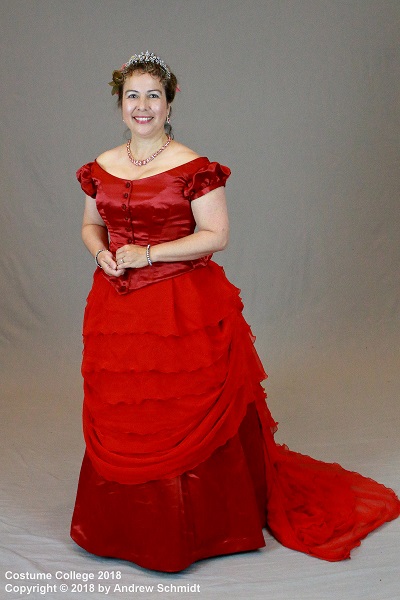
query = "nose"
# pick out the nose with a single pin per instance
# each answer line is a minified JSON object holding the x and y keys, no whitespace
{"x":143,"y":103}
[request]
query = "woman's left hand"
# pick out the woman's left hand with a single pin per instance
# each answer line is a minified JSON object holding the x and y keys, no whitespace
{"x":131,"y":257}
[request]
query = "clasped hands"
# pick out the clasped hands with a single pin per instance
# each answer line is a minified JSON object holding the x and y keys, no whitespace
{"x":129,"y":256}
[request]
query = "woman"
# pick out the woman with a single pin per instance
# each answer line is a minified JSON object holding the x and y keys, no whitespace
{"x":180,"y":459}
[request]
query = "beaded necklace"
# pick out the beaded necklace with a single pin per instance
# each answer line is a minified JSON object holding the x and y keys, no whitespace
{"x":145,"y":161}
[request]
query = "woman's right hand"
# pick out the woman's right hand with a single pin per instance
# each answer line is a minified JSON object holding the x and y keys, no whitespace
{"x":108,"y":264}
{"x":95,"y":237}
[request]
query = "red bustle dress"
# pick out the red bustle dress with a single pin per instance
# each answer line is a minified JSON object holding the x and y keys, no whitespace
{"x":181,"y":462}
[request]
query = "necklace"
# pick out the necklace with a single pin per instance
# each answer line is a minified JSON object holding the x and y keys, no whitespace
{"x":145,"y":161}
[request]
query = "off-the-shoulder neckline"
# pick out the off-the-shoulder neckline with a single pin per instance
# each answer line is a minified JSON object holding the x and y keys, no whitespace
{"x":155,"y":174}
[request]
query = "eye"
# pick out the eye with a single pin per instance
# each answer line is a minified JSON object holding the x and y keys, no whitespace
{"x":153,"y":95}
{"x":131,"y":95}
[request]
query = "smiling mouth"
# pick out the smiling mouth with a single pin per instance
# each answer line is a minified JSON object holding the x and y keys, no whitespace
{"x":143,"y":119}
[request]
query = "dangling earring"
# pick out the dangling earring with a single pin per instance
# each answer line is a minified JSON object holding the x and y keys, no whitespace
{"x":167,"y":125}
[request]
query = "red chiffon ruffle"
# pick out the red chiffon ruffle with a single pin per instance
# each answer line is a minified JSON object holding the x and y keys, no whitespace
{"x":167,"y":382}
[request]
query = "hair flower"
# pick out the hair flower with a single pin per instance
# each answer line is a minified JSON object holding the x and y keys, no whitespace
{"x":117,"y":78}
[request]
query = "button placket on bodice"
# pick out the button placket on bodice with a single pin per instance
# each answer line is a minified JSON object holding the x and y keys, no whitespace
{"x":126,"y":208}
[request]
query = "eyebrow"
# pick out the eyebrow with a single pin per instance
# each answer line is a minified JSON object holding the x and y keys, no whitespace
{"x":148,"y":91}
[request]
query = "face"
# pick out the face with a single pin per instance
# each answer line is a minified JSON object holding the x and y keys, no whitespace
{"x":144,"y":105}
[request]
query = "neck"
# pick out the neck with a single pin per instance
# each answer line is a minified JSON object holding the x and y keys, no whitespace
{"x":141,"y":148}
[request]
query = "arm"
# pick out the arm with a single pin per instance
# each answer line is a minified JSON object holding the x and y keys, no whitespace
{"x":95,"y":237}
{"x":212,"y":235}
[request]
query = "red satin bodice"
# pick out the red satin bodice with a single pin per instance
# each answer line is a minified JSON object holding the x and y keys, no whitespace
{"x":151,"y":210}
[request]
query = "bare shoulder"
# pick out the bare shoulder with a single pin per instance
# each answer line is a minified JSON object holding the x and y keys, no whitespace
{"x":182,"y":154}
{"x":111,"y":158}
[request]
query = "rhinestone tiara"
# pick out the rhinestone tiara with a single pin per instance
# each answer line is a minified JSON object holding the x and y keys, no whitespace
{"x":145,"y":57}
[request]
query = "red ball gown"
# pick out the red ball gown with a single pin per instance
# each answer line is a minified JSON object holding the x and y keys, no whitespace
{"x":181,"y":462}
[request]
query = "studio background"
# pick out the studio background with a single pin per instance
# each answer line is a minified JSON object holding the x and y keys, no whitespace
{"x":301,"y":101}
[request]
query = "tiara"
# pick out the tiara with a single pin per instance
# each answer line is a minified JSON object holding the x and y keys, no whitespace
{"x":119,"y":75}
{"x":146,"y":57}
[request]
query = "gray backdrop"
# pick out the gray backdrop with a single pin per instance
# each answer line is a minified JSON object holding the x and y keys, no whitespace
{"x":300,"y":98}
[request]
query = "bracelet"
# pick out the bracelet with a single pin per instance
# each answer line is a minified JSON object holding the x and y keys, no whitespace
{"x":148,"y":255}
{"x":95,"y":258}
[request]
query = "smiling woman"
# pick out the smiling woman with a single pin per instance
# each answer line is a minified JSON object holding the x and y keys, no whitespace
{"x":181,"y":462}
{"x":144,"y":106}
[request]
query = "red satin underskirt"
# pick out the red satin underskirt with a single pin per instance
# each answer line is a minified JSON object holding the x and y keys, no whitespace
{"x":216,"y":508}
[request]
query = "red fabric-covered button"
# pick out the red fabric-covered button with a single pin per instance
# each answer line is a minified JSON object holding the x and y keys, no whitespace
{"x":123,"y":207}
{"x":128,"y":185}
{"x":126,"y":195}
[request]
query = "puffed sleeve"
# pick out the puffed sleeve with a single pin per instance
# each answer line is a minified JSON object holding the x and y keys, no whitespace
{"x":84,"y":176}
{"x":206,"y":179}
